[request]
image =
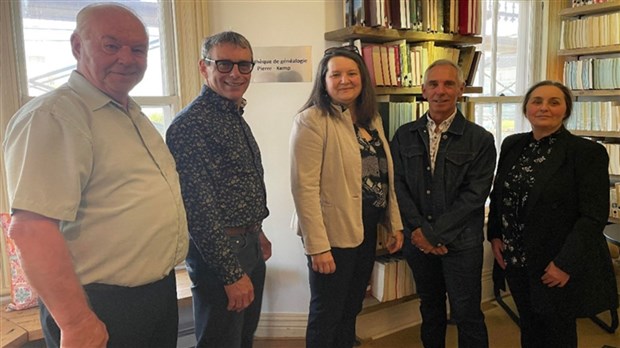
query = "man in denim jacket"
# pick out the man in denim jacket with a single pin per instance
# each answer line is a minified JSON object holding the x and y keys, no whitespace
{"x":444,"y":168}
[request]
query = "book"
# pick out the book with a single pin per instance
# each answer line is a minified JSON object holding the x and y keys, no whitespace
{"x":469,"y":80}
{"x":466,"y":59}
{"x":367,"y":56}
{"x":404,"y":61}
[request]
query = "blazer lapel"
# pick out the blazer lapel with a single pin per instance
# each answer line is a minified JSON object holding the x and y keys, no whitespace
{"x":512,"y":153}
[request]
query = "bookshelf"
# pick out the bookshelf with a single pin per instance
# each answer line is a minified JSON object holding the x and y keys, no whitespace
{"x":381,"y":35}
{"x":583,"y":51}
{"x":408,"y":89}
{"x":409,"y":85}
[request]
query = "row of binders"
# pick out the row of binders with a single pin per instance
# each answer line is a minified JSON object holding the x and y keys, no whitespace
{"x":591,"y":31}
{"x":396,"y":114}
{"x":592,"y":73}
{"x":400,"y":64}
{"x":391,"y":278}
{"x":440,"y":16}
{"x":614,"y":158}
{"x":595,"y":116}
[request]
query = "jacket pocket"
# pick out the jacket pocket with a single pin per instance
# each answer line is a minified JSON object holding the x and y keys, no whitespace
{"x":457,"y":165}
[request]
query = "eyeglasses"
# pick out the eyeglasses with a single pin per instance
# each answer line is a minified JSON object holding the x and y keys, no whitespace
{"x":225,"y":66}
{"x":333,"y":50}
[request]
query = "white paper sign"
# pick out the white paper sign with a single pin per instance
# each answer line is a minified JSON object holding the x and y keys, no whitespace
{"x":282,"y":64}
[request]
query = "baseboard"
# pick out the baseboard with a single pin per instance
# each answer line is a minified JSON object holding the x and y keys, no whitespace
{"x":282,"y":325}
{"x":370,"y":326}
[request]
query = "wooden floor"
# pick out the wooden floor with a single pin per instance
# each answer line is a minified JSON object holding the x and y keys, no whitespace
{"x":503,"y":333}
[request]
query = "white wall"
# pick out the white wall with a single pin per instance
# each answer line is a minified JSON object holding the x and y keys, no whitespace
{"x":270,"y":111}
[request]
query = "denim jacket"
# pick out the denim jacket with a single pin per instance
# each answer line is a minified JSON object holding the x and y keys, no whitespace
{"x":448,"y":204}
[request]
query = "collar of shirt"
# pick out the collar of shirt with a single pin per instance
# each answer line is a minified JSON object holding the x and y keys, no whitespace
{"x":222,"y":102}
{"x":443,"y":127}
{"x":94,"y":97}
{"x":548,"y":138}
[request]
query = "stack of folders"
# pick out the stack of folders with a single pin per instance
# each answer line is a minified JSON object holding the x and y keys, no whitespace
{"x":391,"y":278}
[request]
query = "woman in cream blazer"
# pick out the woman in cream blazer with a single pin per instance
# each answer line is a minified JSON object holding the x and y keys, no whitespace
{"x":342,"y":185}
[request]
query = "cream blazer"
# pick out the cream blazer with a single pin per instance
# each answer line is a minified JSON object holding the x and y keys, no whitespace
{"x":326,"y":181}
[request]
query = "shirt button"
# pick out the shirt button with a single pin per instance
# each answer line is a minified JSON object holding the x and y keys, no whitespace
{"x":439,"y":244}
{"x":428,"y":168}
{"x":430,"y":217}
{"x":445,"y":136}
{"x":428,"y":192}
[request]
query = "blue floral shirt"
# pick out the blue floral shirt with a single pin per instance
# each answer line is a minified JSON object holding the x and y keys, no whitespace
{"x":221,"y":174}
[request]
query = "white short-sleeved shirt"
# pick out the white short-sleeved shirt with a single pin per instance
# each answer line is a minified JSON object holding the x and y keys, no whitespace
{"x":76,"y":155}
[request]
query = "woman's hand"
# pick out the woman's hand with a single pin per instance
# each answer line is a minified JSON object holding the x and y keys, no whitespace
{"x":497,"y":245}
{"x":396,"y":242}
{"x":323,"y":263}
{"x":554,"y":276}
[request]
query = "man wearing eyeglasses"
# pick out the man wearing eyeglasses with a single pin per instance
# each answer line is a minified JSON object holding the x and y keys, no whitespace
{"x":222,"y":184}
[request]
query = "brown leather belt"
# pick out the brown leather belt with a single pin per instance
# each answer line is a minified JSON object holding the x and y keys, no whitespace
{"x":239,"y":230}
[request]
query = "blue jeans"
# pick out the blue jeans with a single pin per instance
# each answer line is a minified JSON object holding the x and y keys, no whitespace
{"x":336,"y":299}
{"x":215,"y":325}
{"x":142,"y":316}
{"x":457,"y":274}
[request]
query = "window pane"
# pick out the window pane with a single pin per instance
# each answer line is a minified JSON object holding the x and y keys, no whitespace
{"x":504,"y":45}
{"x":511,"y":119}
{"x":47,"y":27}
{"x":486,"y":116}
{"x":159,"y":116}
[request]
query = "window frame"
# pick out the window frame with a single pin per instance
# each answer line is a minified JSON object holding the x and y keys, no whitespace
{"x":534,"y":63}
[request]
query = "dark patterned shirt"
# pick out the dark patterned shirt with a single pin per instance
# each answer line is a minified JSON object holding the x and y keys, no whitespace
{"x":221,"y":176}
{"x":517,"y":187}
{"x":374,"y":169}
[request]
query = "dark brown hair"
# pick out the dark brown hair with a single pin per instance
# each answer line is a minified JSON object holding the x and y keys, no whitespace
{"x":366,"y":102}
{"x":568,"y":96}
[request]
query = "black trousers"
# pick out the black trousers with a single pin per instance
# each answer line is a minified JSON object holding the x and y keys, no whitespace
{"x":539,"y":329}
{"x":143,"y":316}
{"x":336,"y":299}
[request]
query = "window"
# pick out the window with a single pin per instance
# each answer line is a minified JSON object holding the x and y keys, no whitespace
{"x":46,"y":27}
{"x":510,"y":63}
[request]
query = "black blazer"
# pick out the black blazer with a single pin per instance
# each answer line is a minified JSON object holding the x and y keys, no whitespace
{"x":564,"y":219}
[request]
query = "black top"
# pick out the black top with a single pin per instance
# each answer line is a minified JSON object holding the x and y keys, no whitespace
{"x":517,"y":186}
{"x":374,"y":169}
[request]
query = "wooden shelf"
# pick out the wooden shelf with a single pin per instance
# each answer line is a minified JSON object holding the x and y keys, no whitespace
{"x":590,"y":9}
{"x":590,"y":50}
{"x":380,"y":35}
{"x":595,"y":134}
{"x":596,"y":93}
{"x":416,"y":90}
{"x":371,"y":304}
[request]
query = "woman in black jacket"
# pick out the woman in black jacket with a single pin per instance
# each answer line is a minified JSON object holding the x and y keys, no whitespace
{"x":549,"y":205}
